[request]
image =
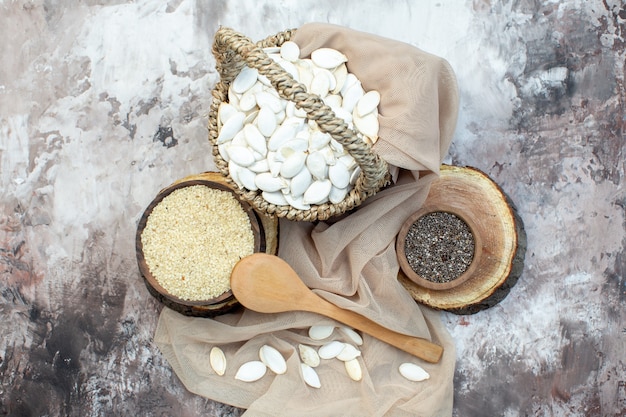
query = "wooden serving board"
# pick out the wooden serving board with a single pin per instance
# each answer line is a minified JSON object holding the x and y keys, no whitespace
{"x":479,"y":200}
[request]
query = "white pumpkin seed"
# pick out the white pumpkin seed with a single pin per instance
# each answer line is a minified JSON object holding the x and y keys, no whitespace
{"x":352,"y":96}
{"x":368,"y":103}
{"x":223,"y":150}
{"x":295,"y":202}
{"x":247,"y":101}
{"x":320,"y":85}
{"x":311,"y":378}
{"x":340,"y":73}
{"x":225,"y":110}
{"x":290,"y":51}
{"x":339,"y":175}
{"x":280,"y":117}
{"x":333,"y":101}
{"x":337,"y":148}
{"x":300,"y":182}
{"x":233,"y":171}
{"x":291,"y":69}
{"x":296,"y":121}
{"x":247,"y":177}
{"x":353,"y":368}
{"x":348,"y":353}
{"x":300,"y":112}
{"x":337,"y":195}
{"x":264,"y":80}
{"x":266,"y":99}
{"x":305,"y":73}
{"x":293,"y":164}
{"x":241,"y":155}
{"x":297,"y":144}
{"x":332,"y":82}
{"x":267,"y":182}
{"x":251,"y":116}
{"x":331,"y":349}
{"x":317,"y":193}
{"x":266,"y":121}
{"x":239,"y":140}
{"x":246,"y":78}
{"x":316,"y":164}
{"x":320,"y":332}
{"x":290,"y":109}
{"x":217,"y":359}
{"x":231,"y":127}
{"x":352,"y":335}
{"x":251,"y":371}
{"x":283,"y":133}
{"x":233,"y":98}
{"x":273,"y":359}
{"x":277,"y":198}
{"x":318,"y":140}
{"x":355,"y":175}
{"x":349,"y":161}
{"x":345,"y":115}
{"x":308,"y":355}
{"x":413,"y":372}
{"x":328,"y":58}
{"x":368,"y":124}
{"x":260,"y":166}
{"x":255,"y":139}
{"x":350,"y":81}
{"x":274,"y":163}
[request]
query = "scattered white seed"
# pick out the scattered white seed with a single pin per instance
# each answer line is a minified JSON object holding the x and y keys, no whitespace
{"x":330,"y":350}
{"x":251,"y":371}
{"x":273,"y":359}
{"x":217,"y":359}
{"x":352,"y":335}
{"x":353,"y":368}
{"x":310,"y":376}
{"x":413,"y":372}
{"x":348,"y":353}
{"x":320,"y":332}
{"x":309,"y":355}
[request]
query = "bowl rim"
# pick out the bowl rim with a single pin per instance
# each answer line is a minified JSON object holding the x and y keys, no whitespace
{"x":418,"y":279}
{"x":255,"y":222}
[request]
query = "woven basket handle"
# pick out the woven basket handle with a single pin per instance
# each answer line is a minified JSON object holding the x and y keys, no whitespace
{"x":233,"y":50}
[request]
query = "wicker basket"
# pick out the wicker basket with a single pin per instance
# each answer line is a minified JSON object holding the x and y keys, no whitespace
{"x":232,"y":51}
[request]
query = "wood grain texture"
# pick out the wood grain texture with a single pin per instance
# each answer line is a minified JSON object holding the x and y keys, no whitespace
{"x":499,"y":235}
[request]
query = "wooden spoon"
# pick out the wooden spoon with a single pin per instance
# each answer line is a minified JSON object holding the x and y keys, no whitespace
{"x":267,"y":284}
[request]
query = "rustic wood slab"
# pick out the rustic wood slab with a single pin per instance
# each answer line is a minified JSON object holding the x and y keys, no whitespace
{"x":470,"y":194}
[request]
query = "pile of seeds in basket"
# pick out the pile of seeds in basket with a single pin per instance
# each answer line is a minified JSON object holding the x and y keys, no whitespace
{"x":272,"y":146}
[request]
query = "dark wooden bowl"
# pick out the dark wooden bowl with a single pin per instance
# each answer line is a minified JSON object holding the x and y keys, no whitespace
{"x":261,"y":227}
{"x":424,"y":282}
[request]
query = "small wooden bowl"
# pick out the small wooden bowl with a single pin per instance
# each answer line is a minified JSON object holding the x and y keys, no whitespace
{"x":499,"y":237}
{"x":418,"y":279}
{"x":264,"y":229}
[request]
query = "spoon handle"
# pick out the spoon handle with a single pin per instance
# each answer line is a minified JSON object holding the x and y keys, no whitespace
{"x":419,"y":347}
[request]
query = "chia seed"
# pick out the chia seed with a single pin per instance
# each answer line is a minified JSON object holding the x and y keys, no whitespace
{"x":439,"y":247}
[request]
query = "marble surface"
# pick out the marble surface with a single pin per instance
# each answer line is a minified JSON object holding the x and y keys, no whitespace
{"x":102,"y":103}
